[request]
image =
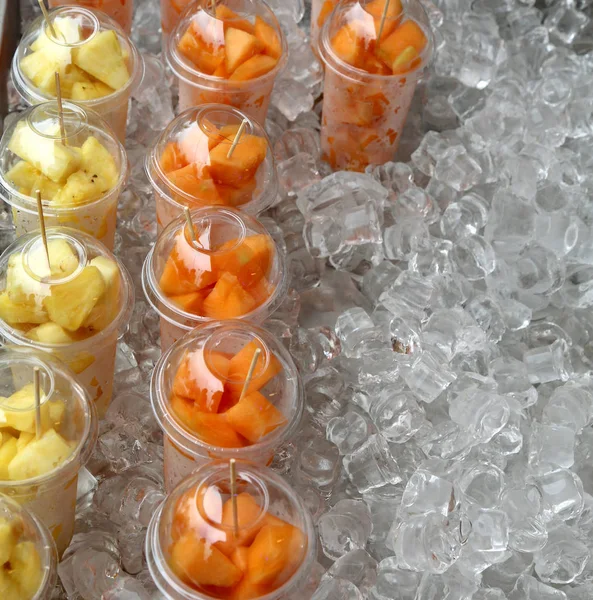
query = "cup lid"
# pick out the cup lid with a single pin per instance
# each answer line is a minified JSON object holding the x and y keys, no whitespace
{"x":214,"y":155}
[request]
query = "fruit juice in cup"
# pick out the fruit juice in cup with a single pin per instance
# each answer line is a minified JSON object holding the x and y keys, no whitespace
{"x":206,"y":406}
{"x":76,"y":310}
{"x":369,"y":82}
{"x":80,"y":176}
{"x":121,"y":11}
{"x":28,"y":557}
{"x":99,"y":66}
{"x":201,"y":545}
{"x":39,"y":467}
{"x":320,"y":11}
{"x":189,"y":164}
{"x":233,"y":270}
{"x":227,"y":52}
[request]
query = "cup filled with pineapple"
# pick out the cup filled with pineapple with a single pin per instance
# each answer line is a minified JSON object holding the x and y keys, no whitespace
{"x":227,"y":52}
{"x":75,"y":308}
{"x":98,"y":64}
{"x":228,"y":267}
{"x":79,"y":175}
{"x":121,"y":11}
{"x":195,"y":162}
{"x":240,"y":535}
{"x":40,"y":459}
{"x":210,"y":402}
{"x":28,"y":557}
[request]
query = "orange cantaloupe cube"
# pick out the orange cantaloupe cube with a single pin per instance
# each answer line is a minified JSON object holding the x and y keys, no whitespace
{"x":239,"y":558}
{"x":254,"y":417}
{"x":239,"y":367}
{"x":250,"y":521}
{"x":191,"y":302}
{"x":263,"y":250}
{"x":239,"y":46}
{"x":246,"y":590}
{"x":236,"y":196}
{"x":268,"y":37}
{"x":377,"y":8}
{"x":256,"y":66}
{"x":198,"y":563}
{"x":238,"y":303}
{"x":349,"y":45}
{"x":204,"y":56}
{"x":261,"y":291}
{"x":172,"y":158}
{"x":243,"y":163}
{"x":228,"y":299}
{"x":184,"y":277}
{"x":232,"y":19}
{"x":325,"y":11}
{"x":409,"y":33}
{"x":225,"y":134}
{"x":237,"y":261}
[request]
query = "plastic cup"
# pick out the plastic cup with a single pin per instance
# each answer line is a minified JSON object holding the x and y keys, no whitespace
{"x":198,"y":514}
{"x":221,"y":234}
{"x":320,"y":11}
{"x":364,"y":113}
{"x":192,"y":136}
{"x":121,"y":11}
{"x":88,"y":350}
{"x":113,"y":107}
{"x":171,"y":11}
{"x":196,"y":357}
{"x":197,"y":83}
{"x":64,"y":204}
{"x":43,"y":474}
{"x":28,"y":529}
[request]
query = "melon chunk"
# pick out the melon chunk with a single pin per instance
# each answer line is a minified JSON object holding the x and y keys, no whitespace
{"x":232,"y":19}
{"x":228,"y":299}
{"x":250,"y":522}
{"x":407,"y":34}
{"x":256,"y":66}
{"x":239,"y":46}
{"x":239,"y":367}
{"x":206,"y":57}
{"x":268,"y":37}
{"x":243,"y":163}
{"x":254,"y":417}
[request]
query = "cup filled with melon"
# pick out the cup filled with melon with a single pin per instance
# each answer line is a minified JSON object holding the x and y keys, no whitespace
{"x":228,"y":267}
{"x":74,"y":308}
{"x":227,"y":389}
{"x":213,"y":155}
{"x":79,"y":175}
{"x":40,"y":458}
{"x":232,"y":536}
{"x":28,"y":557}
{"x":227,"y":52}
{"x":320,"y":11}
{"x":98,"y":64}
{"x":374,"y":52}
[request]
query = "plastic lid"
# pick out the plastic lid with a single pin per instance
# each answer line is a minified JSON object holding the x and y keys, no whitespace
{"x":66,"y":432}
{"x":94,"y":57}
{"x":201,"y":399}
{"x":199,"y":515}
{"x":232,"y":270}
{"x":29,"y":540}
{"x":381,"y":37}
{"x":80,"y":167}
{"x":85,"y":293}
{"x":234,"y":40}
{"x":191,"y":164}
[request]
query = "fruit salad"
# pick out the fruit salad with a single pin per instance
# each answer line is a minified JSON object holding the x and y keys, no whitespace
{"x":228,"y":52}
{"x":373,"y":52}
{"x":120,"y":11}
{"x":232,"y":550}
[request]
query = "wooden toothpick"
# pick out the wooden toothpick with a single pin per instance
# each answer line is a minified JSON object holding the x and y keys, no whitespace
{"x":383,"y":17}
{"x":250,"y":373}
{"x":37,"y":390}
{"x":42,"y":228}
{"x":233,"y":475}
{"x":47,"y":19}
{"x":237,"y":138}
{"x":190,"y":225}
{"x":60,"y":108}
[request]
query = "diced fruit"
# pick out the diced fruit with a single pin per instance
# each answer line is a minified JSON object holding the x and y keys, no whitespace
{"x":404,"y":61}
{"x":349,"y":45}
{"x":23,"y":176}
{"x":23,"y":439}
{"x":25,"y":568}
{"x":377,"y":9}
{"x":50,"y":333}
{"x":191,"y":302}
{"x":70,"y":303}
{"x":15,"y":313}
{"x":225,"y":134}
{"x":239,"y":558}
{"x":206,"y":57}
{"x":81,"y":188}
{"x":67,"y":29}
{"x":228,"y":299}
{"x":106,"y":309}
{"x":199,"y":563}
{"x":8,"y":451}
{"x":90,"y":90}
{"x":18,"y":411}
{"x":232,"y":19}
{"x":326,"y":10}
{"x":20,"y":286}
{"x":256,"y":66}
{"x":102,"y":57}
{"x":254,"y":417}
{"x":173,"y":158}
{"x":268,"y":37}
{"x":407,"y":34}
{"x":97,"y":160}
{"x":40,"y":68}
{"x":239,"y":368}
{"x":248,"y":155}
{"x":239,"y":47}
{"x":72,"y":75}
{"x":63,"y":262}
{"x":8,"y":540}
{"x":249,"y":518}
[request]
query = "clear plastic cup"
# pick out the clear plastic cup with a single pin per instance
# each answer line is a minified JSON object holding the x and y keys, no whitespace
{"x":320,"y":11}
{"x":171,"y":11}
{"x":208,"y":73}
{"x":199,"y":380}
{"x":35,"y":550}
{"x":75,"y":312}
{"x":178,"y":165}
{"x":121,"y":11}
{"x":87,"y":37}
{"x":80,"y":181}
{"x":233,"y":271}
{"x":364,"y":112}
{"x":193,"y":540}
{"x":42,"y":474}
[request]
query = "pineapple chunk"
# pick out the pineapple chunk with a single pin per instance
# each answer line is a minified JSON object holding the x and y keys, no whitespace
{"x":71,"y":303}
{"x":20,"y":286}
{"x":16,"y":313}
{"x":61,"y":256}
{"x":8,"y":589}
{"x":7,"y":540}
{"x":106,"y":309}
{"x":18,"y":411}
{"x":68,"y":30}
{"x":82,"y":188}
{"x":23,"y":439}
{"x":96,"y":159}
{"x":50,"y":333}
{"x":40,"y":456}
{"x":40,"y":68}
{"x":102,"y":57}
{"x":83,"y":361}
{"x":23,"y":176}
{"x":90,"y":90}
{"x":72,"y":75}
{"x":25,"y":569}
{"x":49,"y":189}
{"x":49,"y":156}
{"x":8,"y":451}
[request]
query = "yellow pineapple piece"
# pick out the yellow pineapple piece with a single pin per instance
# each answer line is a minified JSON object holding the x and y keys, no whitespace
{"x":82,"y":188}
{"x":40,"y":456}
{"x":8,"y":538}
{"x":17,"y":314}
{"x":40,"y":68}
{"x":83,"y":361}
{"x":21,"y":287}
{"x":23,"y":176}
{"x":90,"y":90}
{"x":102,"y":57}
{"x":71,"y":303}
{"x":23,"y":439}
{"x":8,"y":451}
{"x":49,"y":189}
{"x":8,"y":589}
{"x":107,"y":307}
{"x":18,"y":410}
{"x":72,"y":75}
{"x":25,"y":569}
{"x":62,"y":258}
{"x":96,"y":159}
{"x":50,"y":333}
{"x":68,"y":30}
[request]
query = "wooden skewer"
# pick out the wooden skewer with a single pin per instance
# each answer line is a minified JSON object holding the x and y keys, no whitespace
{"x":60,"y":108}
{"x":47,"y":19}
{"x":190,"y":225}
{"x":233,"y":470}
{"x":237,"y":138}
{"x":383,"y":17}
{"x":250,"y":373}
{"x":37,"y":390}
{"x":42,"y":228}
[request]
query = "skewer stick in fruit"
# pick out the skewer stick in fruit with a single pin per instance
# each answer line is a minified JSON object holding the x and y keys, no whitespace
{"x":250,"y":373}
{"x":237,"y":138}
{"x":60,"y":108}
{"x":42,"y":228}
{"x":233,"y":469}
{"x":37,"y":395}
{"x":47,"y":19}
{"x":190,"y":226}
{"x":383,"y":17}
